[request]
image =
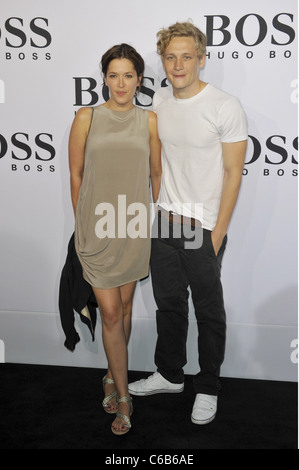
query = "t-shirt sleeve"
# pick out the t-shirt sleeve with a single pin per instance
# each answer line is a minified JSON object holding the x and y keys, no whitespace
{"x":161,"y":95}
{"x":155,"y":102}
{"x":232,"y":122}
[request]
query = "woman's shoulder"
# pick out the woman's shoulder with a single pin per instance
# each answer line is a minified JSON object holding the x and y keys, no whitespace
{"x":152,"y":117}
{"x":148,"y":115}
{"x":84,"y":114}
{"x":152,"y":124}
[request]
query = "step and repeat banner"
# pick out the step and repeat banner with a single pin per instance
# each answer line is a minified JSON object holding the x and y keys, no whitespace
{"x":49,"y":67}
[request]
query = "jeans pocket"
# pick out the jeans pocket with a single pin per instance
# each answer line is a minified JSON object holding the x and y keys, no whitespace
{"x":207,"y":243}
{"x":211,"y":246}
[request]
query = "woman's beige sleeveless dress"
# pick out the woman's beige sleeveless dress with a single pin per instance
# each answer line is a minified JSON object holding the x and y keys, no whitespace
{"x":113,"y":211}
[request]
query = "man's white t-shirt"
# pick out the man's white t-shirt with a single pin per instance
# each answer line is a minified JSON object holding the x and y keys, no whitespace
{"x":192,"y":131}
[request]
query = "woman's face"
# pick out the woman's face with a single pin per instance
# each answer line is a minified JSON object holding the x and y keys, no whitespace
{"x":122,"y":81}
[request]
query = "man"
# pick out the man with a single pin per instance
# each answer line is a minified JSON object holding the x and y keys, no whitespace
{"x":203,"y":132}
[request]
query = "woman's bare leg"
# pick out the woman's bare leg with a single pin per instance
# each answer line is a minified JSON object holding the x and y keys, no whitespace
{"x":127,"y":294}
{"x":115,"y":307}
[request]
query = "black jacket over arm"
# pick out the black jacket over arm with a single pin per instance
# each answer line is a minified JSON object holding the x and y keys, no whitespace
{"x":75,"y":294}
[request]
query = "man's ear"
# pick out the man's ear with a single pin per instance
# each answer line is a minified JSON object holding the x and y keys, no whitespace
{"x":202,"y":61}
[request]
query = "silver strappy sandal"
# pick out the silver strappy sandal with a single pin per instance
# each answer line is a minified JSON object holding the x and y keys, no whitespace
{"x":107,"y":399}
{"x":125,"y":418}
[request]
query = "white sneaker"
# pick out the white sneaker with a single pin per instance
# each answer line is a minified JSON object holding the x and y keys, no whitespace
{"x":204,"y":409}
{"x":154,"y":384}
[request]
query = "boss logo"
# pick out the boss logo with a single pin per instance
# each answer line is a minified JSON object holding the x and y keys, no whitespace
{"x":87,"y":91}
{"x":250,"y":30}
{"x":276,"y":154}
{"x":26,"y":152}
{"x":16,"y":33}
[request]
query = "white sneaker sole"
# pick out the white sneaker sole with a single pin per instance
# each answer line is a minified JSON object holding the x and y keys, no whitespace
{"x":155,"y":392}
{"x":202,"y":421}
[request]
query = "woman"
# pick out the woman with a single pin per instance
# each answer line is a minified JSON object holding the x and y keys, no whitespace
{"x":114,"y":149}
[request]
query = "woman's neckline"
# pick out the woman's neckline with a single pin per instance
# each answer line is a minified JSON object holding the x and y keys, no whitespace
{"x":118,"y":110}
{"x":119,"y":115}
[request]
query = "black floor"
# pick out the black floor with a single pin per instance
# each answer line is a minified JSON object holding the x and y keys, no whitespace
{"x":49,"y":407}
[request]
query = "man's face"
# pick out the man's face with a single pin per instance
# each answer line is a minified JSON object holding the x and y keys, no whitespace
{"x":182,"y":65}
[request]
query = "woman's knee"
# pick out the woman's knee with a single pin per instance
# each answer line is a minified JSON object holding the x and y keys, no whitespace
{"x":111,"y":316}
{"x":127,"y":308}
{"x":127,"y":296}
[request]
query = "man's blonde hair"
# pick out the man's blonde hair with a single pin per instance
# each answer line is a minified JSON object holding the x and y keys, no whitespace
{"x":185,"y":29}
